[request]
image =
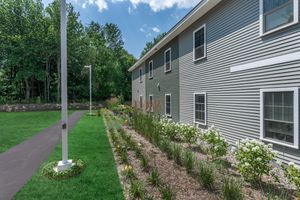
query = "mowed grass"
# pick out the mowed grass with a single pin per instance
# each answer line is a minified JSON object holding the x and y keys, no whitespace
{"x":87,"y":141}
{"x":16,"y":127}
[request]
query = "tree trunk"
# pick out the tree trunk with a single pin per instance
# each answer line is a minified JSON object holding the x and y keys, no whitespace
{"x":27,"y":93}
{"x":58,"y":80}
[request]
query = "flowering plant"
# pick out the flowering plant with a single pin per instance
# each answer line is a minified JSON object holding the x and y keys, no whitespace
{"x":169,"y":129}
{"x":127,"y":172}
{"x":292,"y":173}
{"x":189,"y":133}
{"x":254,"y":159}
{"x":217,"y":146}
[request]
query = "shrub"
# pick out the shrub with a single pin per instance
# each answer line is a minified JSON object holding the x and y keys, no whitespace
{"x":169,"y":129}
{"x":144,"y":163}
{"x":76,"y":169}
{"x":177,"y":154}
{"x":254,"y":159}
{"x":154,"y":178}
{"x":167,"y":193}
{"x":164,"y":145}
{"x":128,"y":173}
{"x":206,"y":175}
{"x":112,"y":102}
{"x":188,"y":132}
{"x":231,"y":189}
{"x":137,"y":190}
{"x":292,"y":173}
{"x":217,"y":145}
{"x":189,"y":161}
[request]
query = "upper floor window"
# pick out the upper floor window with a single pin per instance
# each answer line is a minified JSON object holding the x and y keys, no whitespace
{"x":141,"y":75}
{"x":277,"y":14}
{"x":168,"y":105}
{"x":168,"y":60}
{"x":150,"y":69}
{"x":200,"y":108}
{"x":279,"y":116}
{"x":199,"y":43}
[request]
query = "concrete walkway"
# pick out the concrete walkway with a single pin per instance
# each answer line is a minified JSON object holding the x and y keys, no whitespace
{"x":18,"y":164}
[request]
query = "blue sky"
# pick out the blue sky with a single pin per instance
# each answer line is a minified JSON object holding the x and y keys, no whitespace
{"x":139,"y":20}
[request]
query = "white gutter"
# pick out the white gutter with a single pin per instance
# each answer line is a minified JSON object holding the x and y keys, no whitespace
{"x":202,"y":8}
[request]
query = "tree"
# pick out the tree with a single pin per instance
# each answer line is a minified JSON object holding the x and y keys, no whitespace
{"x":151,"y":44}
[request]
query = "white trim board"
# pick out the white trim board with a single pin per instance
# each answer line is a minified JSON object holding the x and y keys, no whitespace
{"x":267,"y":62}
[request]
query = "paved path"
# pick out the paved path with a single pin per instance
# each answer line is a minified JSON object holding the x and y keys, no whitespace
{"x":18,"y":164}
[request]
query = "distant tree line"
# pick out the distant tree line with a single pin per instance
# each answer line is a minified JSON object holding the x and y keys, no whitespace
{"x":152,"y":43}
{"x":30,"y":55}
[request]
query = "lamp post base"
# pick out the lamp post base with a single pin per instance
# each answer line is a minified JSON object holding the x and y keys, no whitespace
{"x":61,"y":166}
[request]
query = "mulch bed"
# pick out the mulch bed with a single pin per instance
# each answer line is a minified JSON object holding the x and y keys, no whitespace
{"x":184,"y":186}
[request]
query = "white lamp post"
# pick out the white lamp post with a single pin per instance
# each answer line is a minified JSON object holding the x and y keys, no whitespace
{"x":64,"y":163}
{"x":90,"y":67}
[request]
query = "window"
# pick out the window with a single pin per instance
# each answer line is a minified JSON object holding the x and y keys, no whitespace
{"x":277,"y":14}
{"x":168,"y":60}
{"x":150,"y":69}
{"x":279,"y":116}
{"x":141,"y":75}
{"x":199,"y":43}
{"x":141,"y":101}
{"x":151,"y":103}
{"x":168,"y":105}
{"x":200,"y":108}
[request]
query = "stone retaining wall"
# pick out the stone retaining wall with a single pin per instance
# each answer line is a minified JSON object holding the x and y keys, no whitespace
{"x":45,"y":107}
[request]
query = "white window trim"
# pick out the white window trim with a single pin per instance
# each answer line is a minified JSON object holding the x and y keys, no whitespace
{"x":168,"y":115}
{"x":194,"y":108}
{"x":296,"y":116}
{"x":165,"y":59}
{"x":261,"y":18}
{"x":150,"y":77}
{"x":151,"y":109}
{"x":205,"y":44}
{"x":141,"y":75}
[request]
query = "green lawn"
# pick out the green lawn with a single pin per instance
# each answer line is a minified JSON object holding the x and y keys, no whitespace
{"x":16,"y":127}
{"x":87,"y":141}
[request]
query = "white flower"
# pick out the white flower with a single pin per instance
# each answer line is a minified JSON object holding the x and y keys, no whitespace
{"x":291,"y":164}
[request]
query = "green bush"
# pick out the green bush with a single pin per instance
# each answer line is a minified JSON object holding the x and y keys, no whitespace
{"x":137,"y":190}
{"x":206,"y":175}
{"x":189,"y":161}
{"x":145,"y":163}
{"x":292,"y":173}
{"x":177,"y":152}
{"x":154,"y":178}
{"x":217,"y":145}
{"x":231,"y":189}
{"x":254,"y":159}
{"x":167,"y":193}
{"x":76,"y":169}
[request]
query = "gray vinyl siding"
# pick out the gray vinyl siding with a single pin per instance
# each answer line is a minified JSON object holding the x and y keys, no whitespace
{"x":233,"y":99}
{"x":138,"y":87}
{"x":164,"y":83}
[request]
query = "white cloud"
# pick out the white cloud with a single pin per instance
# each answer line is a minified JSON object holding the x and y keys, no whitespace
{"x":102,"y":5}
{"x":130,"y":10}
{"x":157,"y":5}
{"x":156,"y":30}
{"x":142,"y":30}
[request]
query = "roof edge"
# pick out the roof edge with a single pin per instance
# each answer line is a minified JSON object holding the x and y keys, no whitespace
{"x":201,"y":9}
